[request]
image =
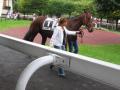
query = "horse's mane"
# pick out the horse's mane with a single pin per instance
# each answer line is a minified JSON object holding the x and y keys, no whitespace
{"x":75,"y":22}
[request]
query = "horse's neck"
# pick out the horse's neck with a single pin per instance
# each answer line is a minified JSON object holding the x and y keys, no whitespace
{"x":75,"y":24}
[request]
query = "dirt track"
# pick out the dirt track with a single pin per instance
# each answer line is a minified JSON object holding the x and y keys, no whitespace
{"x":97,"y":37}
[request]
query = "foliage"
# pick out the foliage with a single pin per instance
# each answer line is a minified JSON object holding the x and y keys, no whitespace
{"x":58,"y":8}
{"x":116,"y":14}
{"x":54,"y":6}
{"x":31,"y":6}
{"x":108,"y":8}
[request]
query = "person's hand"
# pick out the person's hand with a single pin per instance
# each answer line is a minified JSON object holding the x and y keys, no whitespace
{"x":81,"y":34}
{"x":78,"y":32}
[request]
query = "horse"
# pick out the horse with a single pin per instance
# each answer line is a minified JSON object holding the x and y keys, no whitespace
{"x":73,"y":24}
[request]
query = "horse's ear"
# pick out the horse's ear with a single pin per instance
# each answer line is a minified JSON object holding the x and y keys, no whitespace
{"x":91,"y":17}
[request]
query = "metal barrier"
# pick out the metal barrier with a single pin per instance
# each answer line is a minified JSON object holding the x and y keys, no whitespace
{"x":99,"y":70}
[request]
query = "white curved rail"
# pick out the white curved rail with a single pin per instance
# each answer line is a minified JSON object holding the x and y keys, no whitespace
{"x":31,"y":68}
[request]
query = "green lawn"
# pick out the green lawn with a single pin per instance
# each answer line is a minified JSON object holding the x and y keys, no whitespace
{"x":7,"y":24}
{"x":109,"y":53}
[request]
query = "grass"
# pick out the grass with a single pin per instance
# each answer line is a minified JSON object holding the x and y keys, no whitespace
{"x":7,"y":24}
{"x":109,"y":53}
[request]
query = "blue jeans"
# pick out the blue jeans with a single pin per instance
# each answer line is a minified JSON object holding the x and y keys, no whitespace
{"x":73,"y":44}
{"x":60,"y":69}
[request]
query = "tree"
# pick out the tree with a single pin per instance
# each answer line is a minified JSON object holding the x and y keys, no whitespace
{"x":58,"y":8}
{"x":109,"y":9}
{"x":54,"y":7}
{"x":116,"y":15}
{"x":32,"y":6}
{"x":69,"y":8}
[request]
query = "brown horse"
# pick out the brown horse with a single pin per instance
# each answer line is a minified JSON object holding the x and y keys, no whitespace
{"x":73,"y":24}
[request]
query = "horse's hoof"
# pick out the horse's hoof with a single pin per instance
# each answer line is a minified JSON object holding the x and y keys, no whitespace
{"x":51,"y":67}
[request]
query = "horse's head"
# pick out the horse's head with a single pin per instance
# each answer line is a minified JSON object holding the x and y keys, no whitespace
{"x":88,"y":21}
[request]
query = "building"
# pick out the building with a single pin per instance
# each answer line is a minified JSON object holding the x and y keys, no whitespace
{"x":5,"y":5}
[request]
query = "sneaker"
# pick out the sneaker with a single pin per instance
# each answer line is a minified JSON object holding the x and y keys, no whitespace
{"x":61,"y":72}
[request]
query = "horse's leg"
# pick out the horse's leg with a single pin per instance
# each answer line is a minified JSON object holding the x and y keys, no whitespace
{"x":45,"y":34}
{"x":43,"y":40}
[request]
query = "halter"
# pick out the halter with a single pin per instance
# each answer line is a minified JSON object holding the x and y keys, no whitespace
{"x":81,"y":34}
{"x":85,"y":20}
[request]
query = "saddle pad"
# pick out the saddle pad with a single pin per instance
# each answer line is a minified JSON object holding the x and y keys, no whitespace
{"x":50,"y":23}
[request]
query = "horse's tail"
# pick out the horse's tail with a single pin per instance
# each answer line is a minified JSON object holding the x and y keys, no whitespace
{"x":28,"y":36}
{"x":33,"y":30}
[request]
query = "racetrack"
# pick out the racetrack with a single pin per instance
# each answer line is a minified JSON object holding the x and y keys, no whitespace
{"x":96,"y":37}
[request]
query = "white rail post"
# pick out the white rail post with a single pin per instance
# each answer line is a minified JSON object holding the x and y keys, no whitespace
{"x":31,"y":68}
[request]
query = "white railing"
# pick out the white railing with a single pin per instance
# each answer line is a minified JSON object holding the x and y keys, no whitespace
{"x":104,"y":72}
{"x":31,"y":68}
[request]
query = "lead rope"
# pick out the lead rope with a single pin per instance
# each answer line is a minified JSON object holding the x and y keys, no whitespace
{"x":65,"y":38}
{"x":81,"y":36}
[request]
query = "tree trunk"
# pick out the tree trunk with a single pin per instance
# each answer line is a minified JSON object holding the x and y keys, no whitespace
{"x":24,"y":16}
{"x":107,"y":20}
{"x":69,"y":15}
{"x":101,"y":21}
{"x":116,"y":23}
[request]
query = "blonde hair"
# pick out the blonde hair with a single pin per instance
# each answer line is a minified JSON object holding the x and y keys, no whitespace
{"x":62,"y":20}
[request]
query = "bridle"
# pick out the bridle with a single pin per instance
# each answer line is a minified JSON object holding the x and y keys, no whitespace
{"x":85,"y":20}
{"x":86,"y":23}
